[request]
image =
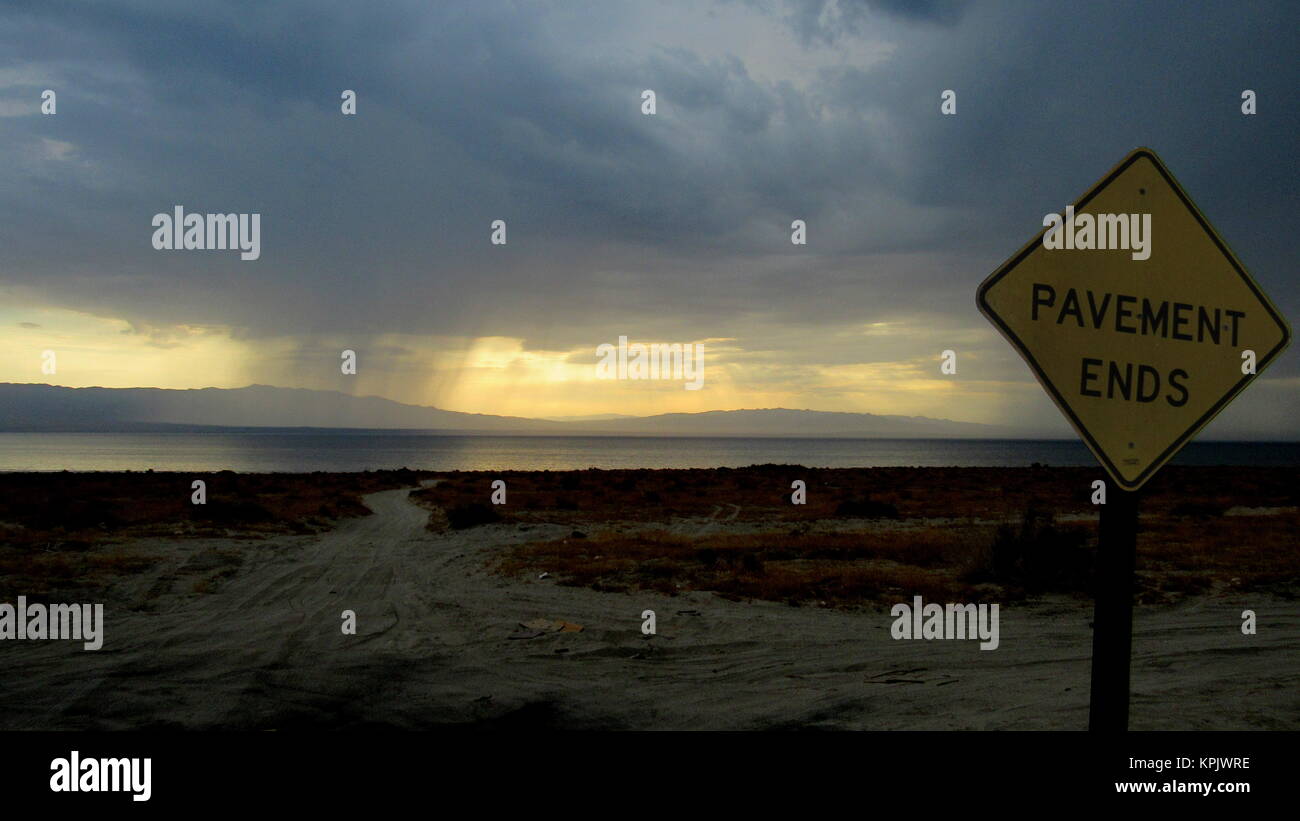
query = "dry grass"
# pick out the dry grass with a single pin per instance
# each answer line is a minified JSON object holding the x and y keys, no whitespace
{"x":838,"y":569}
{"x":64,"y":529}
{"x":1185,"y":554}
{"x":61,"y":531}
{"x":1186,"y":545}
{"x":762,"y":492}
{"x":74,"y":511}
{"x":39,"y":573}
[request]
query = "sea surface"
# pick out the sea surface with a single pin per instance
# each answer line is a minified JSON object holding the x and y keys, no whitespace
{"x":281,"y":451}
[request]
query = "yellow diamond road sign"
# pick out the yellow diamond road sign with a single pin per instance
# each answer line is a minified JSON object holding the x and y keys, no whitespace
{"x":1135,"y":317}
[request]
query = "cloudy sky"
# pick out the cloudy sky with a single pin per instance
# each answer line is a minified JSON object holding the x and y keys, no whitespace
{"x":666,"y":228}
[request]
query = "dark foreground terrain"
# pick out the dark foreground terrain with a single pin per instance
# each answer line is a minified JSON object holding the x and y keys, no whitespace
{"x":531,"y":614}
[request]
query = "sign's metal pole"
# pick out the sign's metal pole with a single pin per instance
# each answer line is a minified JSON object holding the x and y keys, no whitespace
{"x":1112,"y":622}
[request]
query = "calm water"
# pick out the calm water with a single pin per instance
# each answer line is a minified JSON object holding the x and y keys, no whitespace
{"x":356,"y":451}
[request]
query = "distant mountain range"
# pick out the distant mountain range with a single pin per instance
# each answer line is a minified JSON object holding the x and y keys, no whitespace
{"x":36,"y":407}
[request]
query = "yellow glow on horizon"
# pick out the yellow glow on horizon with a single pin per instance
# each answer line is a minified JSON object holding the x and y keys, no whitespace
{"x":491,"y":374}
{"x":96,"y":351}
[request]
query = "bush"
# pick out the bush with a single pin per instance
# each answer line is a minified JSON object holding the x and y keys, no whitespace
{"x":1037,"y":556}
{"x":867,"y":508}
{"x":571,"y":481}
{"x":232,"y":513}
{"x":1198,"y":510}
{"x":472,"y":514}
{"x":73,"y":514}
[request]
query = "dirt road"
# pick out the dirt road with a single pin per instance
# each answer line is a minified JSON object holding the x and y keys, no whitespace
{"x":264,"y":650}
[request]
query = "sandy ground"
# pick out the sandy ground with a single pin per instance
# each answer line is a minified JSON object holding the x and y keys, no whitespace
{"x":433,"y":648}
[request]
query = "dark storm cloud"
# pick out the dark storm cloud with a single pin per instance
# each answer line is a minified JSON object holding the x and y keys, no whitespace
{"x":828,"y":20}
{"x":676,"y":225}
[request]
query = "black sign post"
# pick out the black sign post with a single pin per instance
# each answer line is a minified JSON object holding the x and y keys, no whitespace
{"x":1112,"y":621}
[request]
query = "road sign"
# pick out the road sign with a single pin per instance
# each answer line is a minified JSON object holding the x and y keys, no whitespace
{"x":1135,"y":317}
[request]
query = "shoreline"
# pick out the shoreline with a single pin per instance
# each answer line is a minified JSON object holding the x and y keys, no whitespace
{"x":266,"y":452}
